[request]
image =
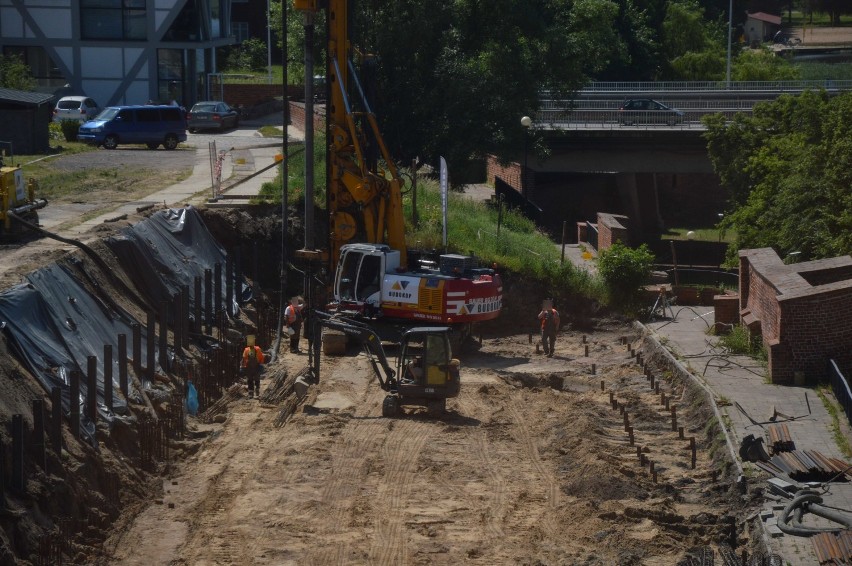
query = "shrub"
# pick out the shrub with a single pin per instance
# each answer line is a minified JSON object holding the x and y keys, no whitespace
{"x":69,"y":129}
{"x":251,"y":55}
{"x":624,"y":271}
{"x":55,"y":131}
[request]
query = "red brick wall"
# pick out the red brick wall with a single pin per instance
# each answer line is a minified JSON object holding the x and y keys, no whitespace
{"x":297,"y":116}
{"x":612,"y":228}
{"x":252,"y":94}
{"x":802,"y":326}
{"x":509,"y":173}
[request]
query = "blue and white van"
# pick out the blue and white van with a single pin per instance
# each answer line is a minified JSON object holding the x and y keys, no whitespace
{"x":149,"y":125}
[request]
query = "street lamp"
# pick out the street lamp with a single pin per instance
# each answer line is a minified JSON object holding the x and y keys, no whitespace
{"x":526,"y":122}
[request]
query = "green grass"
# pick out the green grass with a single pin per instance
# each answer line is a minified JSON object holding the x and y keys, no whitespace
{"x":739,"y":341}
{"x":700,"y":234}
{"x":271,"y":132}
{"x":820,"y":19}
{"x":825,"y":395}
{"x":815,"y":71}
{"x":257,"y":77}
{"x":271,"y":191}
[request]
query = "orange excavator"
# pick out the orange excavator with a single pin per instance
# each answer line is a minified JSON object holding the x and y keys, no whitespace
{"x":375,"y":276}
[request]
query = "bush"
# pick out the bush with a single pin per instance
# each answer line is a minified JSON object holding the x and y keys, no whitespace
{"x":624,"y":271}
{"x":55,"y":131}
{"x":69,"y":129}
{"x":250,"y":55}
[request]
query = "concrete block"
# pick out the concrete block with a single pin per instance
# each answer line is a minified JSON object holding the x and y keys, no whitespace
{"x":774,"y":531}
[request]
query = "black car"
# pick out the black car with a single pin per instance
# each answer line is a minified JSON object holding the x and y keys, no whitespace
{"x":212,"y":115}
{"x":647,"y":111}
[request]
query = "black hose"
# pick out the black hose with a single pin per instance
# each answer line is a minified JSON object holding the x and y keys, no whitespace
{"x":809,"y":502}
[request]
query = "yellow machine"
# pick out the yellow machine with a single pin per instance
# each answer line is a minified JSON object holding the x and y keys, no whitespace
{"x":17,"y":200}
{"x":373,"y":275}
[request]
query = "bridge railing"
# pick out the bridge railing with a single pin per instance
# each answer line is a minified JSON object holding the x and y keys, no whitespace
{"x":693,"y":86}
{"x":592,"y":234}
{"x":611,"y":119}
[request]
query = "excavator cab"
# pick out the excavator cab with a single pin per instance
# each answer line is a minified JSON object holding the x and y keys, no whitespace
{"x":427,"y":373}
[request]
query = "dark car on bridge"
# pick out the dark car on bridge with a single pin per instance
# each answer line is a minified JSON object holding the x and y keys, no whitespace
{"x":646,"y":111}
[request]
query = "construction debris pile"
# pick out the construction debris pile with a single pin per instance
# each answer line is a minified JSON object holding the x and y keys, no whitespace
{"x":807,"y":466}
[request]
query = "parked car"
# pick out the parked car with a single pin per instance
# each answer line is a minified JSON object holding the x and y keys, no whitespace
{"x":80,"y":108}
{"x":647,"y":111}
{"x":149,"y":125}
{"x":212,"y":115}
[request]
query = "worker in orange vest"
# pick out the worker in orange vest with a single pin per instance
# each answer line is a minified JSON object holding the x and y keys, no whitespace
{"x":549,"y":318}
{"x":250,"y":365}
{"x":293,"y":322}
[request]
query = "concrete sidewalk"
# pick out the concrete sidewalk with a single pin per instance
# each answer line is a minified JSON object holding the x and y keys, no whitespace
{"x":740,"y":379}
{"x":197,"y":188}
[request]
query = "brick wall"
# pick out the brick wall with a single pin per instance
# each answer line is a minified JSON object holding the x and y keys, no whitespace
{"x":297,"y":116}
{"x":727,"y":312}
{"x":509,"y":173}
{"x":612,"y":228}
{"x":253,"y":94}
{"x":802,"y":325}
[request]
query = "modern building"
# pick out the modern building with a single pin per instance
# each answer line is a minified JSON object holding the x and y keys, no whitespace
{"x":119,"y":51}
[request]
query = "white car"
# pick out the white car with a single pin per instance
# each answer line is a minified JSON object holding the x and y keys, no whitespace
{"x":80,"y":108}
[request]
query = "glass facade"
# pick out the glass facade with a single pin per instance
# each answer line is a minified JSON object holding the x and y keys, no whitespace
{"x":113,"y":19}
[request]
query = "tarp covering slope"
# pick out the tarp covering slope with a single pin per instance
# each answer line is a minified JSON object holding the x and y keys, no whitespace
{"x":166,"y":251}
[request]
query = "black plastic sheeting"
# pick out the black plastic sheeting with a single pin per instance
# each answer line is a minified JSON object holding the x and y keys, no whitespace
{"x":168,"y":250}
{"x":53,"y":323}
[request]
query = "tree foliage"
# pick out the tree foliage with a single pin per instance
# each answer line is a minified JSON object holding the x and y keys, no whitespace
{"x":624,"y":271}
{"x":15,"y":74}
{"x":251,"y":54}
{"x":789,"y":170}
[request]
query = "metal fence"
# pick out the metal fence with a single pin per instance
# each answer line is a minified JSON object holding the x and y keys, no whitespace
{"x":592,"y":234}
{"x":695,"y":86}
{"x":841,"y":388}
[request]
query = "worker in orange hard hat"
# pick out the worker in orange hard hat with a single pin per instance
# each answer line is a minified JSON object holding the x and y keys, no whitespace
{"x":250,"y":366}
{"x":549,"y":318}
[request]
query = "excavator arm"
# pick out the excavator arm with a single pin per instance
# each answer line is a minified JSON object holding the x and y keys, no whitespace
{"x":368,"y":339}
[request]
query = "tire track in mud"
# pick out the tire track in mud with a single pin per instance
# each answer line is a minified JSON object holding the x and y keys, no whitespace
{"x":401,"y":450}
{"x":496,"y":515}
{"x":528,"y":443}
{"x":349,"y":468}
{"x":228,"y":545}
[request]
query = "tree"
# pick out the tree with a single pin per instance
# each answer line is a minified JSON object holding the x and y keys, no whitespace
{"x":624,"y":270}
{"x":15,"y":74}
{"x":454,"y":78}
{"x":789,"y":169}
{"x":762,"y":65}
{"x":251,"y":55}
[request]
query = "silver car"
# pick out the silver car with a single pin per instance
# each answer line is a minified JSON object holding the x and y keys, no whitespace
{"x":80,"y":108}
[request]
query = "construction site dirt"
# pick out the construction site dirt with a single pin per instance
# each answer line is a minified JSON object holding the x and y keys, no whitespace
{"x":531,"y":465}
{"x":576,"y":459}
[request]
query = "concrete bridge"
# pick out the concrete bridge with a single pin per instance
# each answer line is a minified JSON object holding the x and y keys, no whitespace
{"x":655,"y":172}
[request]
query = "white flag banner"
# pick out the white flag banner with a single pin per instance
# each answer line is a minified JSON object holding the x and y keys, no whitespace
{"x":444,"y":190}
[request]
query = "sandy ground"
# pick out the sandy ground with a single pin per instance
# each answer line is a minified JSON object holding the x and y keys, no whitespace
{"x":530,"y":465}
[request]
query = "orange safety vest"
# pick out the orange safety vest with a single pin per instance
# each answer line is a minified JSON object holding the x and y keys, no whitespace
{"x":553,"y":319}
{"x":291,"y":314}
{"x":258,"y":356}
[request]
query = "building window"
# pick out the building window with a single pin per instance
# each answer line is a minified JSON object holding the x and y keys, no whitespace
{"x":113,"y":19}
{"x":170,"y":69}
{"x":240,"y":31}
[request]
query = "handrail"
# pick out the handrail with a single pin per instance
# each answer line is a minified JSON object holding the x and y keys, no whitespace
{"x":841,"y":388}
